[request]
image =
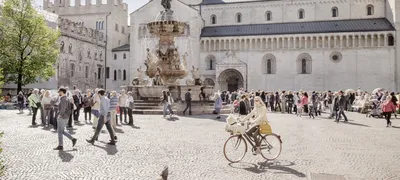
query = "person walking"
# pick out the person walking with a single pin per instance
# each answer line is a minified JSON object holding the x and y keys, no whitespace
{"x":341,"y":104}
{"x":35,"y":104}
{"x":388,"y":108}
{"x":113,"y":108}
{"x":283,"y":101}
{"x":188,"y":100}
{"x":105,"y":118}
{"x":218,"y":105}
{"x":242,"y":106}
{"x":164,"y":102}
{"x":87,"y":109}
{"x":297,"y":103}
{"x":170,"y":103}
{"x":277,"y":102}
{"x":329,"y":101}
{"x":122,"y":105}
{"x":289,"y":100}
{"x":55,"y":102}
{"x":65,"y":111}
{"x":41,"y":108}
{"x":130,"y":105}
{"x":46,"y":101}
{"x":78,"y":101}
{"x":21,"y":102}
{"x":73,"y":107}
{"x":271,"y":100}
{"x":95,"y":108}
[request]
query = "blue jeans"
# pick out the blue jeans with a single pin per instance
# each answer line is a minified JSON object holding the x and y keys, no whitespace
{"x":61,"y":131}
{"x":108,"y":126}
{"x":165,"y":106}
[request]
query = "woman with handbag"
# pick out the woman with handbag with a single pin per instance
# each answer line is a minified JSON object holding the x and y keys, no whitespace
{"x":46,"y":101}
{"x":130,"y":104}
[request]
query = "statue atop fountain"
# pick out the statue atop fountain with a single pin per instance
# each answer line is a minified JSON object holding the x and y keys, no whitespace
{"x":196,"y":78}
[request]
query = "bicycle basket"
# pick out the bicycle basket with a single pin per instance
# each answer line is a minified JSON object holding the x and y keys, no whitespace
{"x":265,"y":128}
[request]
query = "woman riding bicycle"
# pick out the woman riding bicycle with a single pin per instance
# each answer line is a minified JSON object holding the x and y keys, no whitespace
{"x":260,"y":117}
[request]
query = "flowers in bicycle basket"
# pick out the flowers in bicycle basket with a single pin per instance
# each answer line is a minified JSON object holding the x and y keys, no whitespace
{"x":234,"y":126}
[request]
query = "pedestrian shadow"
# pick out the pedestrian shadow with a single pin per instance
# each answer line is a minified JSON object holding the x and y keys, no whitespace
{"x":357,"y":124}
{"x":110,"y":149}
{"x":173,"y":119}
{"x":135,"y":127}
{"x":65,"y":156}
{"x":118,"y":130}
{"x":33,"y":126}
{"x":79,"y":124}
{"x":396,"y":127}
{"x":263,"y":167}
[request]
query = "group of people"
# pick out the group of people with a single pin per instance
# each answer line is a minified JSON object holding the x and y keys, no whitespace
{"x":311,"y":103}
{"x":61,"y":108}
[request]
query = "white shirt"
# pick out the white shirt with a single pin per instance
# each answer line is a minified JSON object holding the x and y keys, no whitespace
{"x":128,"y":100}
{"x":122,"y":100}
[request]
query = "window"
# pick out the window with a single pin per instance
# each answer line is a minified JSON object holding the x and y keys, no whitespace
{"x":115,"y":56}
{"x":301,"y":14}
{"x":116,"y":27}
{"x":390,"y":40}
{"x":238,"y":18}
{"x":107,"y":72}
{"x":210,"y":62}
{"x":102,"y":25}
{"x":335,"y":12}
{"x":124,"y":56}
{"x":97,"y":25}
{"x":99,"y":73}
{"x":62,"y":46}
{"x":72,"y":69}
{"x":124,"y":75}
{"x":70,"y":48}
{"x":86,"y":71}
{"x":269,"y":64}
{"x":123,"y":30}
{"x":336,"y":56}
{"x":268,"y":16}
{"x":88,"y":53}
{"x":119,"y":74}
{"x":119,"y":42}
{"x":304,"y":63}
{"x":213,"y":19}
{"x":303,"y":66}
{"x":95,"y":54}
{"x":101,"y":55}
{"x":370,"y":10}
{"x":115,"y":75}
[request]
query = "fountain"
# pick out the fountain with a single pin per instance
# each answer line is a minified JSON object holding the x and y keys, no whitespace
{"x":164,"y":64}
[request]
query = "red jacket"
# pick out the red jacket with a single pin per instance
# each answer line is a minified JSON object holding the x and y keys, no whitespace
{"x":388,"y":106}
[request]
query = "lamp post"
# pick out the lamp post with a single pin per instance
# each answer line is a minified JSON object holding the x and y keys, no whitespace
{"x":105,"y":53}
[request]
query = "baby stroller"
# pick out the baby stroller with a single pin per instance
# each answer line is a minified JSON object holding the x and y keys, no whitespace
{"x":376,"y":109}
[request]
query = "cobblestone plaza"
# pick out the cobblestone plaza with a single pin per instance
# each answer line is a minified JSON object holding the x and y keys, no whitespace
{"x":315,"y":149}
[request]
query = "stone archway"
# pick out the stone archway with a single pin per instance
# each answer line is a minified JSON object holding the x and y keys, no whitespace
{"x":230,"y":80}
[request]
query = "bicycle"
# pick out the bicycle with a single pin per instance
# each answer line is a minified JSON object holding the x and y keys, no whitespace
{"x":266,"y":144}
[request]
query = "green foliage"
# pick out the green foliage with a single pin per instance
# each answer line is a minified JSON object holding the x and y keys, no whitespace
{"x":28,"y":46}
{"x":2,"y":167}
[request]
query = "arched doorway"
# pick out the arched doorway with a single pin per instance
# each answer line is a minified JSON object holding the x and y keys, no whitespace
{"x":230,"y":80}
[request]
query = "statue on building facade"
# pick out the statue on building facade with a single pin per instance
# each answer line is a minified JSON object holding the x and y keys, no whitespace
{"x":166,"y":4}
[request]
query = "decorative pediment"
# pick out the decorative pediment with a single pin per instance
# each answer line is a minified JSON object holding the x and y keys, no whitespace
{"x":230,"y":59}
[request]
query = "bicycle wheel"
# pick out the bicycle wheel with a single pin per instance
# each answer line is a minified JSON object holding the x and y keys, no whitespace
{"x":235,"y":148}
{"x":271,"y":146}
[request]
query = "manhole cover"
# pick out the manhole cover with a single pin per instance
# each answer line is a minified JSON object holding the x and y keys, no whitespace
{"x":315,"y":176}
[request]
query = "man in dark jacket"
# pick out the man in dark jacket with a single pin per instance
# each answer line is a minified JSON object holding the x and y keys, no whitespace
{"x":78,"y":100}
{"x":188,"y":100}
{"x":271,"y":101}
{"x":290,"y":101}
{"x":63,"y":116}
{"x":341,"y":104}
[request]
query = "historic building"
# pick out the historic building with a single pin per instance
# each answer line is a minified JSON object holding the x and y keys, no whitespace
{"x":282,"y":44}
{"x":107,"y":17}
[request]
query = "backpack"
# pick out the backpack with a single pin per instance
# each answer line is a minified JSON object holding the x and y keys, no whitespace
{"x":70,"y":107}
{"x":187,"y":97}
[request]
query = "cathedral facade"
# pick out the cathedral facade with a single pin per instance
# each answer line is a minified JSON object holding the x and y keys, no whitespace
{"x":287,"y":45}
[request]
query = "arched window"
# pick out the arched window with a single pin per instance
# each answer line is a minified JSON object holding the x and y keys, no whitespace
{"x":97,"y":25}
{"x":301,"y":14}
{"x":238,"y":17}
{"x":124,"y":56}
{"x":124,"y":75}
{"x":304,"y":64}
{"x":102,"y":25}
{"x":268,"y":16}
{"x":119,"y":42}
{"x":370,"y":10}
{"x":335,"y":12}
{"x":101,"y":54}
{"x":86,"y":71}
{"x":115,"y":75}
{"x":269,"y":64}
{"x":95,"y":54}
{"x":390,"y":40}
{"x":88,"y":53}
{"x":213,"y":19}
{"x":119,"y":74}
{"x":70,"y":48}
{"x":72,"y":69}
{"x":115,"y":56}
{"x":210,"y":62}
{"x":62,"y":46}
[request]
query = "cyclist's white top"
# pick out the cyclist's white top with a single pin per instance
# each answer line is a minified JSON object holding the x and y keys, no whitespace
{"x":260,"y":114}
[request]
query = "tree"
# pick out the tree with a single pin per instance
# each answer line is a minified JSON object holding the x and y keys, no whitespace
{"x":28,"y":46}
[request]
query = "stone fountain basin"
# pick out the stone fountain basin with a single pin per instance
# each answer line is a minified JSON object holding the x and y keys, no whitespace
{"x":151,"y":91}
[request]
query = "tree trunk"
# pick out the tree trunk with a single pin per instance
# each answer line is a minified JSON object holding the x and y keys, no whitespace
{"x":19,"y":82}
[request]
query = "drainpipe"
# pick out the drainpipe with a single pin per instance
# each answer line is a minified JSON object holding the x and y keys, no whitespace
{"x":105,"y":53}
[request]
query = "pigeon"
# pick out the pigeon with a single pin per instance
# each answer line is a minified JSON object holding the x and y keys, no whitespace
{"x":164,"y":174}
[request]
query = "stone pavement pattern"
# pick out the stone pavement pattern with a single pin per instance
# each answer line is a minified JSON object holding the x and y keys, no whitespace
{"x":192,"y":148}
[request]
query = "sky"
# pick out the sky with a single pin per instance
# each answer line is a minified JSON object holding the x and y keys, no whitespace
{"x":132,"y":4}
